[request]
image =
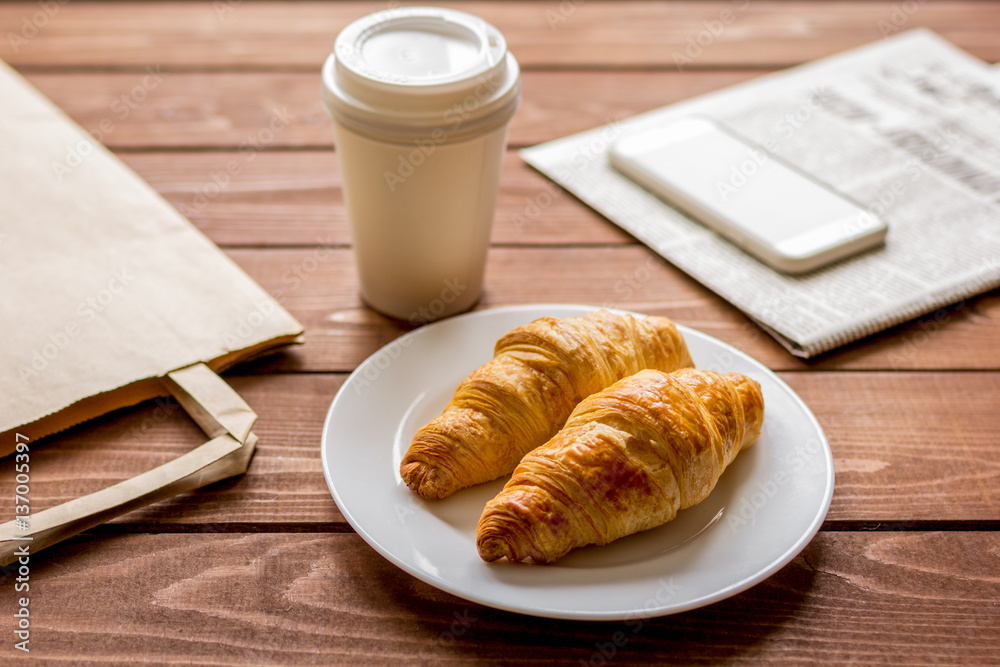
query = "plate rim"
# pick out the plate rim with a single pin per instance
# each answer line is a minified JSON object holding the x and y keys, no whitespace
{"x":723,"y":593}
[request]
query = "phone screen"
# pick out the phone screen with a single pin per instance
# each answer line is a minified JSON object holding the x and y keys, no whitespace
{"x":763,"y":204}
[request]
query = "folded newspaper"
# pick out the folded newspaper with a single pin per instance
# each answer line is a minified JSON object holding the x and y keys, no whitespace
{"x":909,"y":127}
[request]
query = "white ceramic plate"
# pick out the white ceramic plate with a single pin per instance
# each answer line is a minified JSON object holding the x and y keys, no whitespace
{"x":766,"y":507}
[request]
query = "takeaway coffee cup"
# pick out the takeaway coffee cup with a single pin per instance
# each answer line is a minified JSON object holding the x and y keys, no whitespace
{"x":420,"y":99}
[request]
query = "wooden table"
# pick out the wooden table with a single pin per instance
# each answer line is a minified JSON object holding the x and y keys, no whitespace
{"x":263,"y":569}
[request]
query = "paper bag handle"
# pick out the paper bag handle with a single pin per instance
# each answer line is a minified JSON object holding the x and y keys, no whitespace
{"x":221,"y":413}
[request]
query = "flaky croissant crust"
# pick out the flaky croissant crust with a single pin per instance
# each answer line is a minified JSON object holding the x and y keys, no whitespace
{"x":520,"y":398}
{"x":627,"y":460}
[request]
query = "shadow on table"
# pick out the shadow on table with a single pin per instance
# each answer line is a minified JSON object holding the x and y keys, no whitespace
{"x":289,"y":598}
{"x":732,"y":628}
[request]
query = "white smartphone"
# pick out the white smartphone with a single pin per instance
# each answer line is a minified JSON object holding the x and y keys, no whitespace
{"x":762,"y":204}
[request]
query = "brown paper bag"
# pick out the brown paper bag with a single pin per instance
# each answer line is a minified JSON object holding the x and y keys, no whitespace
{"x":109,"y":297}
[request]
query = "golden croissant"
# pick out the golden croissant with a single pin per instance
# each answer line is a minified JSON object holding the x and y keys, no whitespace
{"x":627,"y":460}
{"x":519,"y":399}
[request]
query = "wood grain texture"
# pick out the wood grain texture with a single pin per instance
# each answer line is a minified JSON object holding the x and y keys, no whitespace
{"x":217,"y":105}
{"x":917,"y":445}
{"x":319,"y":286}
{"x":284,"y":484}
{"x":891,"y":598}
{"x":906,"y":447}
{"x":255,"y":111}
{"x":281,"y":198}
{"x":270,"y":35}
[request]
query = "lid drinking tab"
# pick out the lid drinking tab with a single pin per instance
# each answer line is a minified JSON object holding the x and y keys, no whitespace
{"x":400,"y":72}
{"x":414,"y":55}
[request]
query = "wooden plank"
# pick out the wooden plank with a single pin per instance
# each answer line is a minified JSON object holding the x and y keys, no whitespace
{"x":911,"y":447}
{"x":868,"y":598}
{"x":320,"y":287}
{"x":916,"y":445}
{"x":281,"y":198}
{"x":262,"y":569}
{"x":275,"y":35}
{"x":285,"y":483}
{"x":255,"y":111}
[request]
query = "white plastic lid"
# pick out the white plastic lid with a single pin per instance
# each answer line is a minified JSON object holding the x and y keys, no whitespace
{"x":404,"y":73}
